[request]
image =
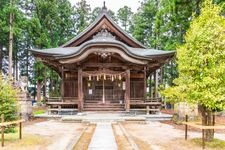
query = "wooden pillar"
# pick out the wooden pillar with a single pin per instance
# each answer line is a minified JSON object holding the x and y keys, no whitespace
{"x":20,"y":127}
{"x":150,"y":87}
{"x":156,"y":83}
{"x":186,"y":126}
{"x":62,"y":85}
{"x":128,"y":90}
{"x":161,"y":74}
{"x":145,"y":84}
{"x":80,"y":90}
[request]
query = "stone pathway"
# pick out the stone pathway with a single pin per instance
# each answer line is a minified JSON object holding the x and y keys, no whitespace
{"x":103,"y":138}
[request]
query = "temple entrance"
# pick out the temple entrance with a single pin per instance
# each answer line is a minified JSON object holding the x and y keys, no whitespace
{"x":105,"y":91}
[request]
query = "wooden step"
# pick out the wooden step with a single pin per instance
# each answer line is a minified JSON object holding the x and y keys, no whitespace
{"x":101,"y":104}
{"x":103,"y":109}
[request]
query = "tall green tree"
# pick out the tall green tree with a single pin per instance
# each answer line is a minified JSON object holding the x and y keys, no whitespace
{"x":95,"y":13}
{"x":201,"y":65}
{"x":50,"y":26}
{"x":124,"y":16}
{"x":82,"y":15}
{"x":11,"y":21}
{"x":144,"y":22}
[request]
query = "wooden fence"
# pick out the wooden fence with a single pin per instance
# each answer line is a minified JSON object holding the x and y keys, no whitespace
{"x":203,"y":128}
{"x":4,"y":124}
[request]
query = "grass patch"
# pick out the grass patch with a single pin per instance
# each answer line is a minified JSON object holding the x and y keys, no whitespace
{"x":28,"y":141}
{"x":215,"y":143}
{"x":38,"y":112}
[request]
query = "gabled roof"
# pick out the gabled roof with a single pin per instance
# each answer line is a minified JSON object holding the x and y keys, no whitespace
{"x":103,"y":21}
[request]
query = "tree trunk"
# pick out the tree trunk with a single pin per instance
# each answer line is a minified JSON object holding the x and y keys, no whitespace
{"x":38,"y":88}
{"x":207,"y":120}
{"x":38,"y":91}
{"x":1,"y":57}
{"x":44,"y":85}
{"x":10,"y":41}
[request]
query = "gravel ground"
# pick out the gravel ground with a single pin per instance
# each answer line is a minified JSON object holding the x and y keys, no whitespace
{"x":163,"y":136}
{"x":58,"y":133}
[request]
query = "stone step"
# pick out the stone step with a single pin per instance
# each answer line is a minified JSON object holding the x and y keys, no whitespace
{"x":100,"y":101}
{"x":104,"y":109}
{"x":91,"y":104}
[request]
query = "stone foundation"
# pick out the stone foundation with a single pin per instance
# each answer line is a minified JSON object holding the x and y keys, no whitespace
{"x":183,"y":109}
{"x":25,"y":104}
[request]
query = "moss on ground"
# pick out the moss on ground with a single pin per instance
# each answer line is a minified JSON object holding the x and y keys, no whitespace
{"x":28,"y":141}
{"x":214,"y":144}
{"x":38,"y":112}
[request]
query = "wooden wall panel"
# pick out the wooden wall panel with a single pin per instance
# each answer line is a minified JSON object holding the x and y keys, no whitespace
{"x":70,"y":89}
{"x":137,"y":88}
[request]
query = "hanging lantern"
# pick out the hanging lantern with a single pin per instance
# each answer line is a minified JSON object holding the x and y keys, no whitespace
{"x":89,"y":84}
{"x":97,"y":78}
{"x":119,"y":84}
{"x":120,"y":77}
{"x":89,"y":77}
{"x":104,"y":77}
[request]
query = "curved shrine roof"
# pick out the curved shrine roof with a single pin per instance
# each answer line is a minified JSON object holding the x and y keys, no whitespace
{"x":103,"y":32}
{"x":67,"y":52}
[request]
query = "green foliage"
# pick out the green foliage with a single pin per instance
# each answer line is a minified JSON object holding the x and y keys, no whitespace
{"x":95,"y":13}
{"x":201,"y":61}
{"x":124,"y":16}
{"x":82,"y":15}
{"x":8,"y":102}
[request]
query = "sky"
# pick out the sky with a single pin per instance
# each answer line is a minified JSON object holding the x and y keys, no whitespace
{"x":114,"y":5}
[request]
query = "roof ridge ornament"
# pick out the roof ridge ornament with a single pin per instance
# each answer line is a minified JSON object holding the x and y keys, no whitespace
{"x":104,"y":35}
{"x":104,"y":8}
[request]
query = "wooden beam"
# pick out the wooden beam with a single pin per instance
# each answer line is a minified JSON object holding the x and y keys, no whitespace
{"x":104,"y":71}
{"x":104,"y":65}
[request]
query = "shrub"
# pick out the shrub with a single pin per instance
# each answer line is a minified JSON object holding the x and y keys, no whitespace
{"x":8,"y":101}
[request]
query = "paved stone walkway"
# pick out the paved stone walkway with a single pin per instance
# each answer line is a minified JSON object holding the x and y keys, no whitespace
{"x":103,"y":138}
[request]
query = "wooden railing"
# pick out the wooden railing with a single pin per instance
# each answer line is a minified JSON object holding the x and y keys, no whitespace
{"x":147,"y":100}
{"x":61,"y":100}
{"x":148,"y":104}
{"x":60,"y":105}
{"x":156,"y":99}
{"x":54,"y":99}
{"x":202,"y":127}
{"x":4,"y":124}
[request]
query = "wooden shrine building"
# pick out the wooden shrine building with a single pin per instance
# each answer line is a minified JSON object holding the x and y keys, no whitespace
{"x":103,"y":68}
